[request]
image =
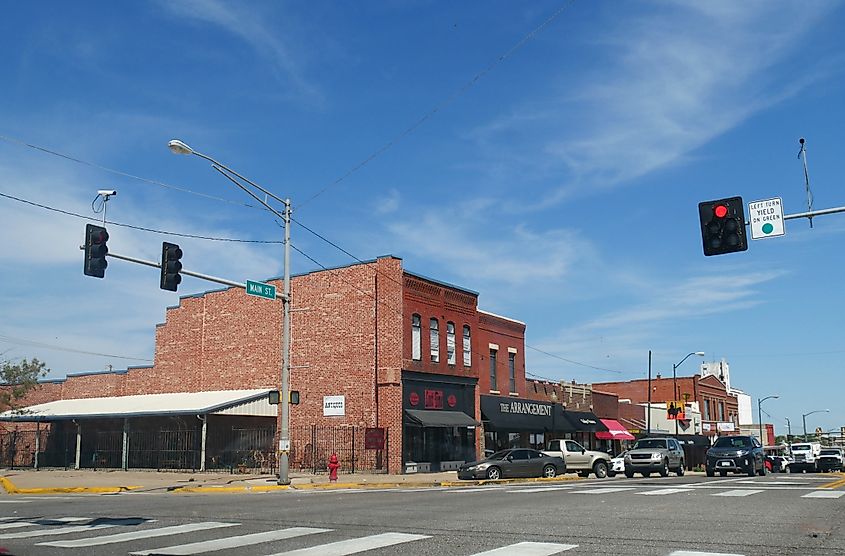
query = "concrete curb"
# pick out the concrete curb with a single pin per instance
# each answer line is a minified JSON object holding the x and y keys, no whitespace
{"x":10,"y":488}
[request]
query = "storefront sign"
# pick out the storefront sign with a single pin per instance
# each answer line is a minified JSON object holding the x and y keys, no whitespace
{"x":526,"y":408}
{"x":374,"y":438}
{"x":334,"y":406}
{"x":705,"y":427}
{"x":434,"y":399}
{"x":725,"y":427}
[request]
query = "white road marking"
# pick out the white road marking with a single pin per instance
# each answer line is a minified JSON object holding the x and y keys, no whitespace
{"x":231,"y":542}
{"x":57,"y":531}
{"x":354,"y":546}
{"x":760,"y":483}
{"x":663,"y":491}
{"x":824,"y":494}
{"x":540,"y":489}
{"x":36,"y":522}
{"x":13,"y":501}
{"x":603,"y":490}
{"x":142,"y":534}
{"x":529,"y":549}
{"x":743,"y":492}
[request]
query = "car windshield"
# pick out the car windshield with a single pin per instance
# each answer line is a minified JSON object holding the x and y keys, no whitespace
{"x":650,"y":443}
{"x":830,"y":452}
{"x":732,"y":442}
{"x":499,"y":455}
{"x":800,"y":446}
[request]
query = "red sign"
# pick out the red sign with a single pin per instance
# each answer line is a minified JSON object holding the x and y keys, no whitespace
{"x":452,"y":400}
{"x":414,"y":398}
{"x":374,"y":438}
{"x":434,"y":399}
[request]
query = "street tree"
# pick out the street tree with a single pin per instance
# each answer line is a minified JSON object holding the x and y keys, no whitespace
{"x":18,"y":379}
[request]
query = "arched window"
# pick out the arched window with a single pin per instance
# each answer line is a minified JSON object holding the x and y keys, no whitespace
{"x":416,"y":337}
{"x":467,"y":347}
{"x":450,"y":343}
{"x":434,"y":340}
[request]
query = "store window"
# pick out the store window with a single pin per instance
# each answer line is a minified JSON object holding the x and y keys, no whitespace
{"x":467,"y":347}
{"x":416,"y":337}
{"x":450,"y":343}
{"x":434,"y":340}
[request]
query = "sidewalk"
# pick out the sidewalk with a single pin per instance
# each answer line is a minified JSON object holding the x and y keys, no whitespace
{"x":60,"y":481}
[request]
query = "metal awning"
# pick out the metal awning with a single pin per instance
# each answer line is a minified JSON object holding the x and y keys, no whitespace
{"x":238,"y":402}
{"x":430,"y":418}
{"x":615,"y":431}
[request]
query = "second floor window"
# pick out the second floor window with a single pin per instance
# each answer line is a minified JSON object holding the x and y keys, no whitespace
{"x":467,"y":347}
{"x":450,"y":343}
{"x":434,"y":340}
{"x":512,"y":370}
{"x":493,"y":354}
{"x":416,"y":338}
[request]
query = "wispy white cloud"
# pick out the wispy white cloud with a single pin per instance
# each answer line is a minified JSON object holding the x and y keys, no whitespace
{"x":675,"y":78}
{"x":248,"y":23}
{"x":388,"y":203}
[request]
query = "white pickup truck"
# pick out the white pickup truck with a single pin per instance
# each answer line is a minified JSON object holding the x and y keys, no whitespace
{"x":806,"y":457}
{"x":579,"y":459}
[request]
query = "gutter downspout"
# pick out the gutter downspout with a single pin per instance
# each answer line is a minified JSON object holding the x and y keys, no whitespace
{"x":78,"y":443}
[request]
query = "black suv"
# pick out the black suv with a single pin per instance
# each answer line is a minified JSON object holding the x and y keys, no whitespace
{"x":737,"y":454}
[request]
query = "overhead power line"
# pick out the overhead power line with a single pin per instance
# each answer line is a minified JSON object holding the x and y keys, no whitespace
{"x":33,"y":343}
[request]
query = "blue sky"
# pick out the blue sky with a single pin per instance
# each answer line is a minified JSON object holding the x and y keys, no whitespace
{"x":555,"y":168}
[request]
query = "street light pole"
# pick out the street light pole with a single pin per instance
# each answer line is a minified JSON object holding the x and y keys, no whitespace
{"x":179,"y":147}
{"x":804,"y":419}
{"x":788,"y":429}
{"x":675,"y":382}
{"x":760,"y":414}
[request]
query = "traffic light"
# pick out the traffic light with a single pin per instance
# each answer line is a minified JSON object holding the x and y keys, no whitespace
{"x":96,"y":250}
{"x":170,"y":266}
{"x":723,"y":226}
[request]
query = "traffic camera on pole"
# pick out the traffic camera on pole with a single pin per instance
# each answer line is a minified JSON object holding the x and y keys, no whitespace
{"x":96,"y":250}
{"x":723,"y":226}
{"x":170,"y":266}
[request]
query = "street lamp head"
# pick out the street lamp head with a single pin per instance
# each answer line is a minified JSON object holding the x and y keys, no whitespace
{"x":699,"y":353}
{"x":178,"y":147}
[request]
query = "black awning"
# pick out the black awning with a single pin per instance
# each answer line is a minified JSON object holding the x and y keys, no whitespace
{"x":514,"y":415}
{"x":584,"y":421}
{"x":430,"y":418}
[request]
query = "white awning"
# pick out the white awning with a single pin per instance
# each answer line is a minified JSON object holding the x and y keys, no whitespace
{"x":231,"y":402}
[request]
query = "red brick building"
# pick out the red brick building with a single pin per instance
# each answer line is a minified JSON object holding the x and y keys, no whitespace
{"x":390,"y":348}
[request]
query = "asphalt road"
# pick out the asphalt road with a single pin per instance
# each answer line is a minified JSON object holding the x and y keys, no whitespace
{"x":684,"y":516}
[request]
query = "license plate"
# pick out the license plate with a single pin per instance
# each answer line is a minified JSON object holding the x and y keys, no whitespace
{"x":726,"y":464}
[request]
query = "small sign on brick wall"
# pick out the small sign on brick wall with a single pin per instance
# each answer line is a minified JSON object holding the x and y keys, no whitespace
{"x":334,"y":406}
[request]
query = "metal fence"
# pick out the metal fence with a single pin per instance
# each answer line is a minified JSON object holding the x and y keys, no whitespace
{"x":234,"y":449}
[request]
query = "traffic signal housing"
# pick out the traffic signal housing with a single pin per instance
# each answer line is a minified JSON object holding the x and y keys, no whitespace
{"x":96,"y":250}
{"x":723,"y":226}
{"x":170,"y":266}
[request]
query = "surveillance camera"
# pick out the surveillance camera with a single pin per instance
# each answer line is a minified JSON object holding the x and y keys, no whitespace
{"x":107,"y":192}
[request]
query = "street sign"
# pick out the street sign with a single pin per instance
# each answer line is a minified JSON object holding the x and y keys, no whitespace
{"x":260,"y":289}
{"x":675,"y":410}
{"x":766,"y":218}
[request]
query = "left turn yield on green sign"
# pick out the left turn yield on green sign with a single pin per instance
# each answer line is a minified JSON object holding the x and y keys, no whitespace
{"x":260,"y":289}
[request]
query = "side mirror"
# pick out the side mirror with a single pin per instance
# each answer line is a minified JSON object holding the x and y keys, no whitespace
{"x":583,"y":450}
{"x":510,"y":458}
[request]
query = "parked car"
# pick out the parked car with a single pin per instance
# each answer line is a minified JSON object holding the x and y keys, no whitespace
{"x":737,"y":454}
{"x":655,"y":454}
{"x":831,"y":459}
{"x":778,"y":464}
{"x":579,"y":459}
{"x":617,"y":464}
{"x":515,"y":462}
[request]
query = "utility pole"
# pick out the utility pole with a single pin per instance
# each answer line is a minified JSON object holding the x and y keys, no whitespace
{"x":648,"y":407}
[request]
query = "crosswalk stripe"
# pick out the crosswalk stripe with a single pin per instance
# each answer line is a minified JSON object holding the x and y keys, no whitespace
{"x":56,"y":531}
{"x":694,"y":553}
{"x":603,"y":490}
{"x":34,"y":522}
{"x":143,"y":534}
{"x":540,"y":489}
{"x":529,"y":549}
{"x":663,"y":491}
{"x":353,"y":546}
{"x":742,"y":492}
{"x":824,"y":494}
{"x":231,"y":542}
{"x":13,"y":501}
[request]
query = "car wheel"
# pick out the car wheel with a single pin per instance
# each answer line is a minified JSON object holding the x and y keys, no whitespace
{"x":646,"y":474}
{"x":494,"y":473}
{"x":710,"y":472}
{"x":787,"y":469}
{"x":549,"y":472}
{"x":681,"y":469}
{"x":752,"y":470}
{"x":600,"y":469}
{"x":629,"y":474}
{"x":664,"y":469}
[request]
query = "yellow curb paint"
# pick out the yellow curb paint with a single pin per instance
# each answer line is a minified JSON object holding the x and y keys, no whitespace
{"x":230,"y":489}
{"x":8,"y":485}
{"x":12,"y":489}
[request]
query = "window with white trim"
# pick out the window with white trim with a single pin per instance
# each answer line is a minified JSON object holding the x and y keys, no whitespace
{"x":450,"y":343}
{"x":416,"y":337}
{"x":512,"y":370}
{"x":434,"y":340}
{"x":467,"y":347}
{"x":493,"y":354}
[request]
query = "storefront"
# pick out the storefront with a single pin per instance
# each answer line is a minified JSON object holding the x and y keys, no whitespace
{"x":438,"y":423}
{"x":515,"y":423}
{"x":615,"y":438}
{"x":584,"y":426}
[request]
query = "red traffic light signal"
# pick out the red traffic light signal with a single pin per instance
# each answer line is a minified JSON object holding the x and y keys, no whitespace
{"x":723,"y":226}
{"x":96,"y":251}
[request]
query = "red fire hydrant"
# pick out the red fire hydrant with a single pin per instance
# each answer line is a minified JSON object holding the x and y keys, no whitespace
{"x":333,"y":467}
